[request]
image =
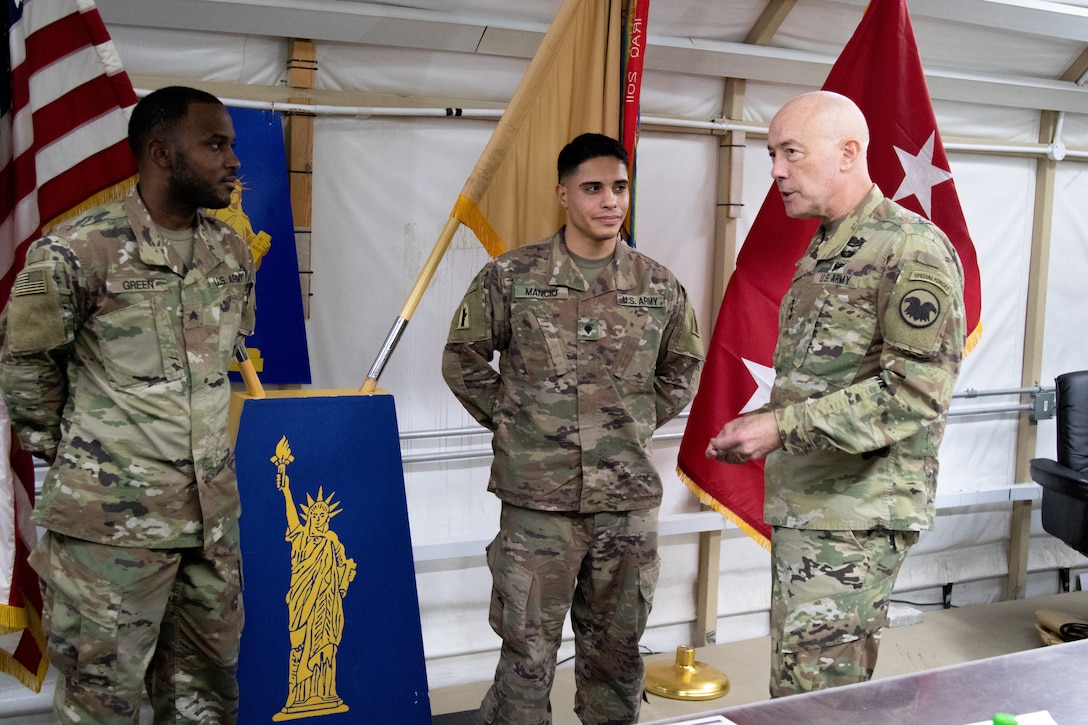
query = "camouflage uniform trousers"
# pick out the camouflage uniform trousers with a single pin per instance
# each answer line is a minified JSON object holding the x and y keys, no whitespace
{"x":603,"y":568}
{"x":117,"y":616}
{"x":829,"y":601}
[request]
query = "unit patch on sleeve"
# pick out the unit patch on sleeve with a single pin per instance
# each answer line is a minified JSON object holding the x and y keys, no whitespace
{"x":918,"y":310}
{"x":35,"y":316}
{"x":468,"y":323}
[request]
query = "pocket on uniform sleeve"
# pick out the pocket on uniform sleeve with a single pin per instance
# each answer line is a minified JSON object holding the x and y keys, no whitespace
{"x":35,"y":316}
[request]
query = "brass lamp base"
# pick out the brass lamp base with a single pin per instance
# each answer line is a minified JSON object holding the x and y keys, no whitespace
{"x":686,"y":679}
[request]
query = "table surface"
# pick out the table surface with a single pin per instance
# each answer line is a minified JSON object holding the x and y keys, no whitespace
{"x":1052,"y":678}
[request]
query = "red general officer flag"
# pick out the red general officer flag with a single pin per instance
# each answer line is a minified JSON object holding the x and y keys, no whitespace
{"x":880,"y":70}
{"x":65,"y":102}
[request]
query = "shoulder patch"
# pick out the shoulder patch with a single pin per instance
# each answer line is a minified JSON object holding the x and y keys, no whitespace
{"x":35,"y":312}
{"x":917,"y":313}
{"x":689,"y":341}
{"x":30,"y":282}
{"x":469,"y":323}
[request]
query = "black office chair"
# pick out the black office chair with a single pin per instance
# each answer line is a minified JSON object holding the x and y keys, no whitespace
{"x":1065,"y":481}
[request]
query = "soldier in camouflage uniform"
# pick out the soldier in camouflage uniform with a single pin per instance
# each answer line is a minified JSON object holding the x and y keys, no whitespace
{"x":116,"y":344}
{"x":870,"y":341}
{"x":598,"y":346}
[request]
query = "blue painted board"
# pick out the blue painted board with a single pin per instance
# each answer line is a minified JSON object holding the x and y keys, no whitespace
{"x":332,"y":628}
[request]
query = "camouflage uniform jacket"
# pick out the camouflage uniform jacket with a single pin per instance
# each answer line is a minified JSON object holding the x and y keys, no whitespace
{"x":870,"y":341}
{"x":114,"y":369}
{"x":586,"y":373}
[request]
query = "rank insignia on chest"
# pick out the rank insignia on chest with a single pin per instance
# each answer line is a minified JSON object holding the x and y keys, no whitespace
{"x":852,"y":247}
{"x":589,"y":328}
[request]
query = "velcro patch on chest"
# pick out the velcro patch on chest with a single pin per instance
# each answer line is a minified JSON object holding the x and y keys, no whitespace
{"x":835,"y":279}
{"x":119,"y":285}
{"x":529,"y":292}
{"x":226,"y":280}
{"x":641,"y":300}
{"x":589,"y":328}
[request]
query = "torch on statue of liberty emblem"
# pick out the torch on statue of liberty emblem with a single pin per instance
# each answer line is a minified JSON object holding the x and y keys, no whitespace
{"x":320,"y":574}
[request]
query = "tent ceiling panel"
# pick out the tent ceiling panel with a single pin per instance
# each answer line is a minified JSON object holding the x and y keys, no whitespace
{"x":1011,"y":52}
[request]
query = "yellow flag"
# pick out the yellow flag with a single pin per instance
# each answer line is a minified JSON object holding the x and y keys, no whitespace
{"x":572,"y":86}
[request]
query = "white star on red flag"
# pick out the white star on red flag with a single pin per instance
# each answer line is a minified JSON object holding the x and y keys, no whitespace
{"x":921,"y":175}
{"x":763,"y":375}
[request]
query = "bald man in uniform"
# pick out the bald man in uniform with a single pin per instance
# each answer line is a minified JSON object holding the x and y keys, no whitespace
{"x":870,"y":342}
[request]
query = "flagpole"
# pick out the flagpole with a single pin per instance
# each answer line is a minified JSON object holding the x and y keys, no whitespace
{"x":249,"y":373}
{"x":410,"y":304}
{"x":509,"y":124}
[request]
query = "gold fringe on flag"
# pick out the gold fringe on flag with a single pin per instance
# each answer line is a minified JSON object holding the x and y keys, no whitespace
{"x":470,"y":215}
{"x":713,"y":503}
{"x":973,"y":339}
{"x":15,"y":619}
{"x":112,"y":193}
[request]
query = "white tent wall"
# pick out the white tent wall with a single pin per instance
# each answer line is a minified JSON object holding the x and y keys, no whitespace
{"x":384,"y":186}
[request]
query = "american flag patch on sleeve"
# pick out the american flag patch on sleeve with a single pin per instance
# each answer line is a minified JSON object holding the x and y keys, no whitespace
{"x":29,"y":282}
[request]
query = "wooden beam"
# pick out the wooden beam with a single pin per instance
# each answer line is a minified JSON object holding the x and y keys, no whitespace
{"x":729,"y":193}
{"x":729,"y":204}
{"x":770,"y":20}
{"x":706,"y":594}
{"x":727,"y":211}
{"x":1031,"y":370}
{"x":1077,"y":69}
{"x":301,"y":75}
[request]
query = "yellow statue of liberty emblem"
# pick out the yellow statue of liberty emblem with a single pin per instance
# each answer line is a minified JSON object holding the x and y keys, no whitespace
{"x":320,"y":574}
{"x":259,"y":242}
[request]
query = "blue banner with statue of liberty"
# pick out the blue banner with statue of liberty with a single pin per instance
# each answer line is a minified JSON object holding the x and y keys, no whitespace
{"x":332,"y":625}
{"x":260,"y":211}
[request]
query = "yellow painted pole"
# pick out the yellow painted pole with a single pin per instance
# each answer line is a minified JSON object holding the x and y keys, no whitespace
{"x":249,"y":375}
{"x":410,"y":304}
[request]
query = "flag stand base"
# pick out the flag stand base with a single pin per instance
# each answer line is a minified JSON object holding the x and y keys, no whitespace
{"x":686,"y":679}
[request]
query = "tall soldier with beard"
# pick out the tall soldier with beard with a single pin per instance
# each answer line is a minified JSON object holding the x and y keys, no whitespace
{"x":116,"y":345}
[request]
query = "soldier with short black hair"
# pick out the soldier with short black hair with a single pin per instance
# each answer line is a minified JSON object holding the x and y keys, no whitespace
{"x":116,"y":345}
{"x":598,"y":347}
{"x":870,"y":341}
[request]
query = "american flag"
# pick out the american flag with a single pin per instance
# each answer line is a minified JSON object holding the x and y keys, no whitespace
{"x":65,"y":102}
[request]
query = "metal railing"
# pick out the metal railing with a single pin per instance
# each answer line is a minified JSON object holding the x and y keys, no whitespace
{"x":702,"y":521}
